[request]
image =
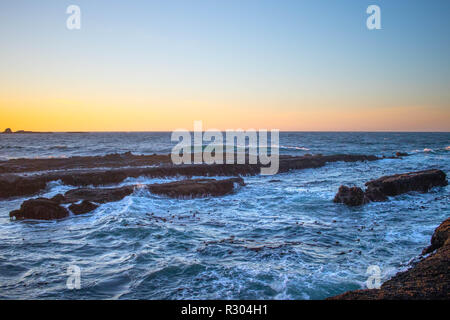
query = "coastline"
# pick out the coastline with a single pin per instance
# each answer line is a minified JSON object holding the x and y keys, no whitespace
{"x":429,"y":279}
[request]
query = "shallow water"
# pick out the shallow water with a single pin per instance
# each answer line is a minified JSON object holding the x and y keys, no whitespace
{"x":279,"y":237}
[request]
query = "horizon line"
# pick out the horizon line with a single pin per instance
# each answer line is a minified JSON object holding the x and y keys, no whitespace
{"x":281,"y":131}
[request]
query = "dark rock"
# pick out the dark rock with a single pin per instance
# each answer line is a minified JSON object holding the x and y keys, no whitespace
{"x":429,"y":279}
{"x":83,"y":207}
{"x":406,"y":182}
{"x":15,"y":185}
{"x":374,"y":195}
{"x":379,"y":189}
{"x":440,"y":236}
{"x":59,"y":198}
{"x":196,"y":187}
{"x":7,"y":130}
{"x":353,"y":196}
{"x":39,"y":209}
{"x":101,"y":195}
{"x":401,"y":154}
{"x":114,"y":160}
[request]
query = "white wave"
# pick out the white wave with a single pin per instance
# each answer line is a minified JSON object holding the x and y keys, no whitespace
{"x":425,"y":150}
{"x":295,"y":148}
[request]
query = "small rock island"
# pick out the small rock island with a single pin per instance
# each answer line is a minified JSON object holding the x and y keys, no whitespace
{"x":9,"y":131}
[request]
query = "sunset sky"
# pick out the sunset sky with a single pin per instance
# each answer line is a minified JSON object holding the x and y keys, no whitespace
{"x":288,"y":65}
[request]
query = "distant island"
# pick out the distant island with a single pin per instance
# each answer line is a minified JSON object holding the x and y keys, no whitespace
{"x":9,"y":131}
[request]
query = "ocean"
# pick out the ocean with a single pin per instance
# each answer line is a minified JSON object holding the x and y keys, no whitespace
{"x":278,"y":237}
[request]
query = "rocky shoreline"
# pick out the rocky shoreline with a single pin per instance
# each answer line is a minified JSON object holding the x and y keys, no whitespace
{"x":429,"y":279}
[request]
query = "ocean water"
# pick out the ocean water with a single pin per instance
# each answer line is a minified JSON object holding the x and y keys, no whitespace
{"x":279,"y":237}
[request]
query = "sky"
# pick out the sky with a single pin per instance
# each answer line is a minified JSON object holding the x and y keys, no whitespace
{"x":289,"y":65}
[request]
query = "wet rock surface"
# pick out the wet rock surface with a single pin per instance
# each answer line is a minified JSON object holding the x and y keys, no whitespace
{"x":401,"y":154}
{"x":99,"y":195}
{"x":39,"y":209}
{"x":405,"y":182}
{"x":84,"y":207}
{"x":196,"y":188}
{"x":379,"y":189}
{"x":353,"y":196}
{"x":428,"y":279}
{"x":20,"y":184}
{"x":114,"y":160}
{"x":440,"y":236}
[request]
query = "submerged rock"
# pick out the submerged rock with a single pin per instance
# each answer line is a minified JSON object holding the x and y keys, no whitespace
{"x":84,"y":207}
{"x":429,"y":279}
{"x":39,"y":209}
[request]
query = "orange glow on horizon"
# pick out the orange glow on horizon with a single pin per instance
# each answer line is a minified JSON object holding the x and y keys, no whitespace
{"x":78,"y":115}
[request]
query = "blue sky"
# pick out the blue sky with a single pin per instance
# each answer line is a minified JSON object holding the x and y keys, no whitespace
{"x":294,"y":62}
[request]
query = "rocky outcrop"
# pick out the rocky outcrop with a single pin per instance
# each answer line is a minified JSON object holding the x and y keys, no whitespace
{"x":12,"y":185}
{"x":380,"y":189}
{"x":412,"y":181}
{"x":196,"y":188}
{"x":178,"y":189}
{"x":114,"y":160}
{"x":374,"y":195}
{"x":128,"y":159}
{"x":440,"y":236}
{"x":48,"y":209}
{"x":401,"y":154}
{"x":353,"y":196}
{"x":39,"y":209}
{"x":84,"y":207}
{"x":9,"y":131}
{"x":99,"y":195}
{"x":429,"y":279}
